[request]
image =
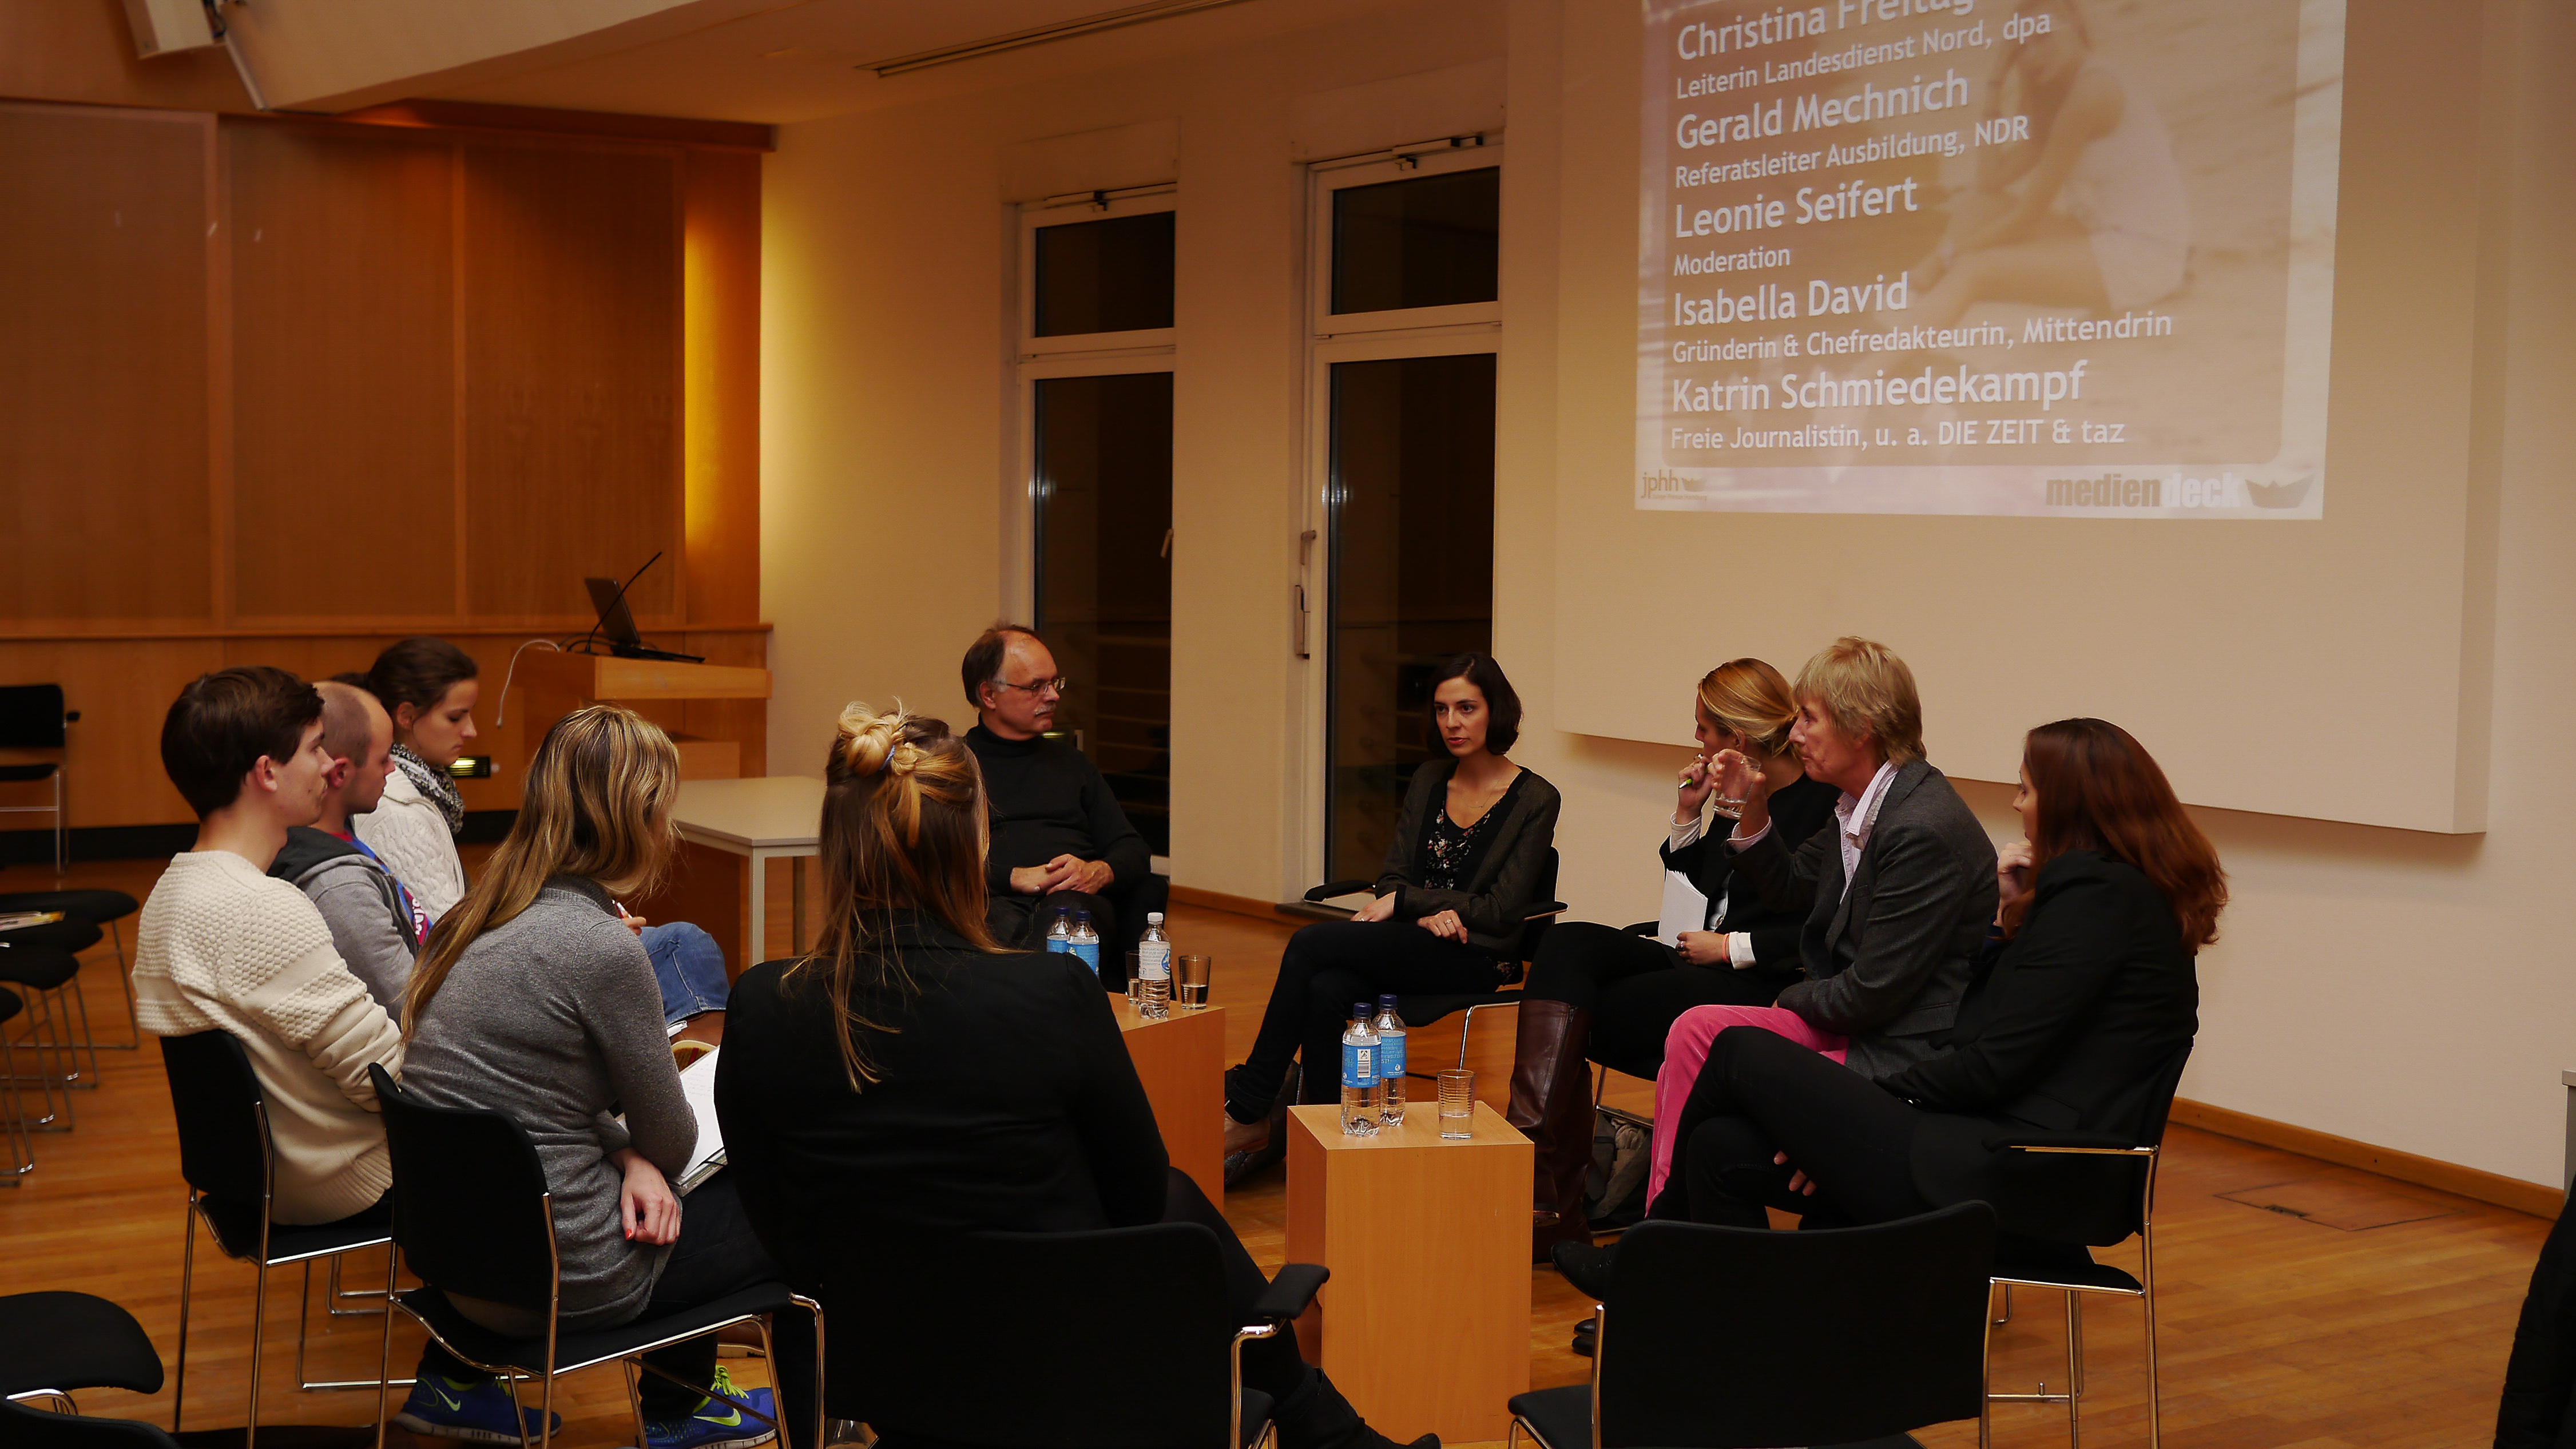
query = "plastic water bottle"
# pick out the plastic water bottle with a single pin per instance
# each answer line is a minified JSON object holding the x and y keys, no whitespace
{"x":1060,"y":934}
{"x":1084,"y":942}
{"x":1154,"y":969}
{"x":1359,"y":1075}
{"x":1390,"y":1061}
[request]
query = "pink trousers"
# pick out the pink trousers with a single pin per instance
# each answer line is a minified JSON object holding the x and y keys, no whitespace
{"x":1686,"y":1049}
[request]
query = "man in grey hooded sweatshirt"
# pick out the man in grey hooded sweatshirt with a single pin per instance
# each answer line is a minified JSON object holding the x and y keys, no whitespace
{"x":375,"y":924}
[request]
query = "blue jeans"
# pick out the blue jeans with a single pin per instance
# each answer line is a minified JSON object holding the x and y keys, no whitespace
{"x":690,"y":967}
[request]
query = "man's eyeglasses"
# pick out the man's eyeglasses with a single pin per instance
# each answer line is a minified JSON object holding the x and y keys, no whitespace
{"x":1059,"y":684}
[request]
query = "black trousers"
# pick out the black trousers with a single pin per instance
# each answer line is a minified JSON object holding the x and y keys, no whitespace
{"x":716,"y":1255}
{"x":1760,"y":1095}
{"x":1636,"y":987}
{"x":1272,"y":1364}
{"x":1326,"y":967}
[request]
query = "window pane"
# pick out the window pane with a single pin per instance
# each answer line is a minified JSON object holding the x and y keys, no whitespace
{"x":1430,"y":242}
{"x":1104,"y":449}
{"x":1105,"y":276}
{"x":1412,"y":577}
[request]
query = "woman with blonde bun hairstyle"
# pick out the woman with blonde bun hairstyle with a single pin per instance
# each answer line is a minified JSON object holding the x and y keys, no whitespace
{"x":1610,"y":995}
{"x":911,"y":1077}
{"x":534,"y":997}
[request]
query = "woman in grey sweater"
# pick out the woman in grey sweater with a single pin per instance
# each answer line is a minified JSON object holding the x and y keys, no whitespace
{"x":535,"y":998}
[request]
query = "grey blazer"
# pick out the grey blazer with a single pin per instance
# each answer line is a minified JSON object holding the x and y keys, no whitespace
{"x":1887,"y":962}
{"x":1505,"y":887}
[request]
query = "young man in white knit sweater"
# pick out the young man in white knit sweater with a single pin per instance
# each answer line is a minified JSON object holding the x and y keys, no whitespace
{"x":221,"y":945}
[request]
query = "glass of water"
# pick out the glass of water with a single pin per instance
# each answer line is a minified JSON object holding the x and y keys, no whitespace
{"x":1135,"y":981}
{"x":1457,"y":1104}
{"x":1193,"y":981}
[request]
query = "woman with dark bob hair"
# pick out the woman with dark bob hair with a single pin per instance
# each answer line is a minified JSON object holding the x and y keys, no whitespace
{"x":1461,"y":875}
{"x":2082,"y":1003}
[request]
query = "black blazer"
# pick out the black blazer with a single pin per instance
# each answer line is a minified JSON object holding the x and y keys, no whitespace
{"x":1798,"y":810}
{"x":1498,"y":900}
{"x":2069,"y":1028}
{"x":1887,"y":961}
{"x":1007,"y":1101}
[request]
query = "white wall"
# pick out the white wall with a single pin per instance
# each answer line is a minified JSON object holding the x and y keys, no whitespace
{"x":2399,"y":988}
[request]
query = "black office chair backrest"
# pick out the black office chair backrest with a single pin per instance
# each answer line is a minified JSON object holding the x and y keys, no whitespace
{"x":469,"y":1199}
{"x":1720,"y":1337}
{"x":31,"y":717}
{"x":25,"y":1428}
{"x":214,"y":1094}
{"x":1115,"y":1339}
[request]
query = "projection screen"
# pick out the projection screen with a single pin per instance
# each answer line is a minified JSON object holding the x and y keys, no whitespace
{"x":2045,"y":257}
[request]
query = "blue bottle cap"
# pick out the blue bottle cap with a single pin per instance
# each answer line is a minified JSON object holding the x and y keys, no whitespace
{"x":1359,"y":1009}
{"x":1387,"y":1001}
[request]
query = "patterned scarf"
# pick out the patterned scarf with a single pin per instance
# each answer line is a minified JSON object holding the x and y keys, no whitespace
{"x":434,"y":783}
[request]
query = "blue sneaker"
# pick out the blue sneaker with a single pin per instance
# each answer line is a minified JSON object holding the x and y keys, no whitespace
{"x":716,"y":1423}
{"x":477,"y":1409}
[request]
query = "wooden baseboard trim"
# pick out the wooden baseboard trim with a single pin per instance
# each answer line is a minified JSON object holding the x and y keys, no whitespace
{"x":2537,"y":1199}
{"x":1232,"y":905}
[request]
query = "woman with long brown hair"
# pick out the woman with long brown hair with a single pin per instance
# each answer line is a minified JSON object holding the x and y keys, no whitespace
{"x":2083,"y":1005}
{"x":913,"y":1077}
{"x":533,"y":997}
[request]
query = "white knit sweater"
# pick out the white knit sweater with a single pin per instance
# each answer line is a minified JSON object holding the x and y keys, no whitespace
{"x":220,"y":945}
{"x":407,"y":831}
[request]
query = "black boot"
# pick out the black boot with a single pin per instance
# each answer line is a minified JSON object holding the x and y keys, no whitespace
{"x":1316,"y":1416}
{"x":1551,"y":1104}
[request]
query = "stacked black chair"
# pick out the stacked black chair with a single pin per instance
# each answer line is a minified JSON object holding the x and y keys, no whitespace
{"x":32,"y":718}
{"x":1147,"y":1299}
{"x":94,"y":907}
{"x":1721,"y":1338}
{"x":224,"y":1154}
{"x":2116,"y":1178}
{"x":25,"y":1428}
{"x":472,"y":1216}
{"x":53,"y":1343}
{"x":1421,"y":1009}
{"x":22,"y":1146}
{"x":42,"y":963}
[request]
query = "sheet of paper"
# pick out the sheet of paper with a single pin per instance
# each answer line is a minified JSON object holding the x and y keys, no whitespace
{"x":698,"y":1084}
{"x":1685,"y":909}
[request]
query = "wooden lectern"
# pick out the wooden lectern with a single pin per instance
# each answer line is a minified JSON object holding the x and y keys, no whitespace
{"x":672,"y":694}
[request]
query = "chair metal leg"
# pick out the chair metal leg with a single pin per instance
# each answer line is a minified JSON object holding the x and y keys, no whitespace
{"x":22,"y":1146}
{"x":385,"y":1353}
{"x":634,"y":1397}
{"x":2006,"y":1315}
{"x":337,"y":1295}
{"x":2074,"y":1370}
{"x":2147,"y":1303}
{"x":124,"y":978}
{"x":88,"y":1041}
{"x":258,"y":1322}
{"x":43,"y":1053}
{"x":187,"y":1281}
{"x":1985,"y":1386}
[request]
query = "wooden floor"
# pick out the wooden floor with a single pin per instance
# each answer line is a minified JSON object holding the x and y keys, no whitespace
{"x":2301,"y":1304}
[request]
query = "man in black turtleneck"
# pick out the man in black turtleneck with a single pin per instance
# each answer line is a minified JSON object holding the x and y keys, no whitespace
{"x":1060,"y":842}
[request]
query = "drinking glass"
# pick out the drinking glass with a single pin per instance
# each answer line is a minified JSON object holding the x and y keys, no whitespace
{"x":1196,"y":971}
{"x":1457,"y":1104}
{"x":1135,"y":981}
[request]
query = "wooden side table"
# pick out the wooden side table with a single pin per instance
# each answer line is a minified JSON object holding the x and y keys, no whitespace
{"x":1182,"y":1062}
{"x":1425,"y":1325}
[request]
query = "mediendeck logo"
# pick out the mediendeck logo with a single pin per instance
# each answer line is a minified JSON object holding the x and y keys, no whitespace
{"x":1665,"y":483}
{"x":2175,"y":490}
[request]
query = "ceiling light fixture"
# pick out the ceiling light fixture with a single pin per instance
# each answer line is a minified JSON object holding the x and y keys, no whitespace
{"x":1118,"y":19}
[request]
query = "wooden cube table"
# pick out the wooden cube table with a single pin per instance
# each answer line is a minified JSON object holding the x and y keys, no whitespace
{"x":1182,"y":1062}
{"x":1425,"y":1324}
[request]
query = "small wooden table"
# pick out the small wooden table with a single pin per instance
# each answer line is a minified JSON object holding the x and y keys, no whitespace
{"x":1425,"y":1324}
{"x":1181,"y":1060}
{"x":730,"y":830}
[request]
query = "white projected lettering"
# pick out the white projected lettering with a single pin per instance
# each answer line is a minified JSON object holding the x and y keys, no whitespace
{"x":1988,"y":256}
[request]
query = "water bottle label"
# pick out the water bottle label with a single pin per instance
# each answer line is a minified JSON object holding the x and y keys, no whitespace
{"x":1358,"y":1068}
{"x":1088,"y":954}
{"x":1154,"y":961}
{"x":1390,"y":1056}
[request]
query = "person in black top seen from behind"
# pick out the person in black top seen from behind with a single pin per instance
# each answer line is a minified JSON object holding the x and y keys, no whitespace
{"x":915,"y":1076}
{"x":1059,"y":840}
{"x":1462,"y":874}
{"x":2084,"y":999}
{"x":1609,"y":995}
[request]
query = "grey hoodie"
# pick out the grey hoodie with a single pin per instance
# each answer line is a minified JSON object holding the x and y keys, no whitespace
{"x":370,"y":925}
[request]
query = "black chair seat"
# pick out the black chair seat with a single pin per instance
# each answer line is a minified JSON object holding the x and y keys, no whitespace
{"x":235,"y":1224}
{"x":98,"y":907}
{"x":41,"y":967}
{"x":574,"y":1350}
{"x":1563,"y":1418}
{"x":73,"y":1341}
{"x":2079,"y":1272}
{"x":14,"y":774}
{"x":24,"y":1428}
{"x":71,"y":933}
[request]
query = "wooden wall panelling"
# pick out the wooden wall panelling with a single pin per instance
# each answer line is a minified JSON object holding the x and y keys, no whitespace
{"x":746,"y":720}
{"x":343,"y":380}
{"x":720,"y":238}
{"x":104,"y":441}
{"x":571,"y":297}
{"x":122,"y":688}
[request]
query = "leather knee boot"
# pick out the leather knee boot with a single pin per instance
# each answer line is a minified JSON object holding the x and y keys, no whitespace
{"x":1552,"y":1104}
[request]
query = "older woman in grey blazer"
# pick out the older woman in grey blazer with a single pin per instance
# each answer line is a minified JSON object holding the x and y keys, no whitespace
{"x":1463,"y":872}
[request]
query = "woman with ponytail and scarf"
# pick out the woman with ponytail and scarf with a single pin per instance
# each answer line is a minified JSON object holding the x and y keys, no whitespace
{"x":913,"y":1078}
